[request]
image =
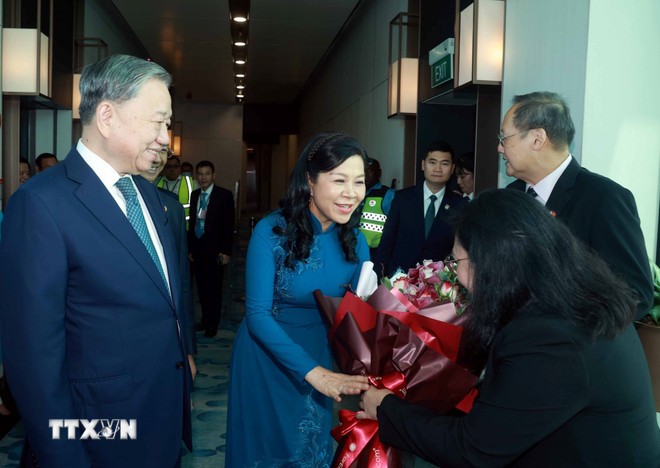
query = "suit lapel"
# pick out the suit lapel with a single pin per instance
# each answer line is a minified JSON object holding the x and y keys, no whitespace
{"x":561,"y":192}
{"x":419,"y":210}
{"x":95,"y":197}
{"x":447,"y":205}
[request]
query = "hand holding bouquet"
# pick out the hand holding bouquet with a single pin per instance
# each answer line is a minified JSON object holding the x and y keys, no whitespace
{"x":405,"y":338}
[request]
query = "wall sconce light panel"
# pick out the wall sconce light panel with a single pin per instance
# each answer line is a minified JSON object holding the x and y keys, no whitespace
{"x":481,"y":43}
{"x":26,"y":64}
{"x":175,"y":141}
{"x":403,"y":65}
{"x":403,"y":84}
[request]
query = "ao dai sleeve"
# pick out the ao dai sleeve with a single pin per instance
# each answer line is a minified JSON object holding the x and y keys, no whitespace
{"x":259,"y":285}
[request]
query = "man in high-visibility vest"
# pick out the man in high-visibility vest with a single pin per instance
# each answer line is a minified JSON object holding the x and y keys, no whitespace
{"x":375,"y":206}
{"x":179,"y":185}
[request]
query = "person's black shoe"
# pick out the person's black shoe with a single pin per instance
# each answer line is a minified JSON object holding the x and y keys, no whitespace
{"x":200,"y":327}
{"x":210,"y":332}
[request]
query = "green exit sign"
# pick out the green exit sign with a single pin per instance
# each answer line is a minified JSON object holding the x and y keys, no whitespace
{"x":442,"y":70}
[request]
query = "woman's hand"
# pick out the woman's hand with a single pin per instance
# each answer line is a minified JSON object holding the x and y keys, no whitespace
{"x":370,"y":401}
{"x":333,"y":385}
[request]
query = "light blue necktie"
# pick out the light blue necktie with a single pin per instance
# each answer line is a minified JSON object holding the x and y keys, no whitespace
{"x":199,"y":226}
{"x":430,"y":215}
{"x":136,"y":218}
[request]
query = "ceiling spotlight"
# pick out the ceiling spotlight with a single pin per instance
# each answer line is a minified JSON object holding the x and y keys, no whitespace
{"x":240,"y":86}
{"x":239,"y":10}
{"x":239,"y":43}
{"x":240,"y":95}
{"x":240,"y":61}
{"x":240,"y":75}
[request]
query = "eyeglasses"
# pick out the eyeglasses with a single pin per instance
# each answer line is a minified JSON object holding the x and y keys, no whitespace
{"x":452,"y":263}
{"x":501,"y":138}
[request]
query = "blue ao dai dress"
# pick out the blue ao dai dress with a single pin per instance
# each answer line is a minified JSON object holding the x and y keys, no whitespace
{"x":275,"y":418}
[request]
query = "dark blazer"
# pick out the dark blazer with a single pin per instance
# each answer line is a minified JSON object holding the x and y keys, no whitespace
{"x":551,"y":397}
{"x":403,"y":243}
{"x":177,"y":221}
{"x":218,"y":227}
{"x":89,"y":329}
{"x":603,"y":214}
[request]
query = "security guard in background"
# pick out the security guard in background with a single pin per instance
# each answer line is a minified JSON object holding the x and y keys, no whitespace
{"x":375,"y":206}
{"x":180,"y":185}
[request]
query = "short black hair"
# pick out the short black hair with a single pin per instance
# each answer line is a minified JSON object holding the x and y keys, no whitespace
{"x":465,"y":163}
{"x":442,"y":146}
{"x":205,"y":164}
{"x":43,"y":156}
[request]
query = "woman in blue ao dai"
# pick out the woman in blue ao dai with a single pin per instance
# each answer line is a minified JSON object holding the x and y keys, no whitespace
{"x":280,"y":387}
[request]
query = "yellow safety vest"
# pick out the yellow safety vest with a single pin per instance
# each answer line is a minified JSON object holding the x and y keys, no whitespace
{"x":185,"y":190}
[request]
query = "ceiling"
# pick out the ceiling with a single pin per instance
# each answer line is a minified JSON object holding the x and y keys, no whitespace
{"x":191,"y":39}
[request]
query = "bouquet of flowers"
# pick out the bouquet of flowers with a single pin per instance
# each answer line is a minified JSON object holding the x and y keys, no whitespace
{"x":428,"y":283}
{"x":405,"y":336}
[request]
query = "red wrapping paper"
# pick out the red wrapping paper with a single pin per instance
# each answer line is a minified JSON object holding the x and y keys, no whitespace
{"x":411,"y":354}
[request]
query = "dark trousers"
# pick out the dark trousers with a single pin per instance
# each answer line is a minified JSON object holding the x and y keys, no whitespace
{"x":208,"y":275}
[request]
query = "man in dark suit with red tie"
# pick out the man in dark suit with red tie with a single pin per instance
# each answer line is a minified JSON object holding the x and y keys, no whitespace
{"x":210,"y":242}
{"x":418,"y":226}
{"x":536,"y":134}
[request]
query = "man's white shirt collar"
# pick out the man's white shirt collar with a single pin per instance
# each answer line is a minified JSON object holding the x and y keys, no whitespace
{"x":101,"y":168}
{"x":440,"y":193}
{"x":546,"y":185}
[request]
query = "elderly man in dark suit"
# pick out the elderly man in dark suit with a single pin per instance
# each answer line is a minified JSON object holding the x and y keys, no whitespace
{"x":210,"y":242}
{"x":418,"y":226}
{"x":536,"y":134}
{"x":90,"y":290}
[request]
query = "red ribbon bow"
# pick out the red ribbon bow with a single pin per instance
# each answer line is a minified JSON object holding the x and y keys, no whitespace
{"x":359,"y":437}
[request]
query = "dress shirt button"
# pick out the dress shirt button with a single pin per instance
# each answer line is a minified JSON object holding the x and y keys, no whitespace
{"x":179,"y":365}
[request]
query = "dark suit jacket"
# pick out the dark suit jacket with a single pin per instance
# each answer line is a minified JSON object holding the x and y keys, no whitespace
{"x":403,"y":243}
{"x":177,"y":221}
{"x":218,"y":227}
{"x":551,"y":397}
{"x":89,"y":329}
{"x":603,"y":215}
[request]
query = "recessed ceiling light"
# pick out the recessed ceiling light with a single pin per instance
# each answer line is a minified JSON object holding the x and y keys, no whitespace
{"x":239,"y":43}
{"x":240,"y":75}
{"x":240,"y":61}
{"x":240,"y":96}
{"x":240,"y":86}
{"x":240,"y":19}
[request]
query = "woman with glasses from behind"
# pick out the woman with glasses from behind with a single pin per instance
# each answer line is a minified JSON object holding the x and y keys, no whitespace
{"x":565,"y":383}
